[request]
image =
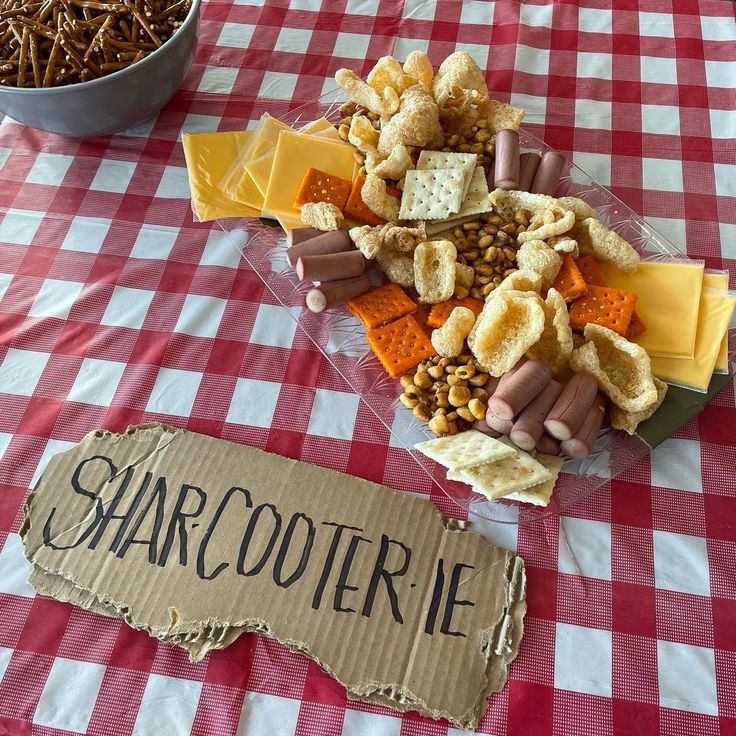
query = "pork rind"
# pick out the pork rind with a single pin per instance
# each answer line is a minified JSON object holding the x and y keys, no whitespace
{"x":398,"y":267}
{"x":387,"y":73}
{"x":393,"y":166}
{"x":554,"y":347}
{"x":382,"y":103}
{"x":449,"y":339}
{"x":595,"y":239}
{"x":622,"y":368}
{"x":401,"y":238}
{"x":521,"y":280}
{"x":581,"y":209}
{"x":500,"y":116}
{"x":321,"y":215}
{"x":464,"y":276}
{"x":458,"y":70}
{"x":362,"y":134}
{"x":418,"y":66}
{"x":367,"y":239}
{"x":434,"y":270}
{"x":630,"y":420}
{"x":417,"y":122}
{"x":508,"y":326}
{"x":378,"y":200}
{"x":564,"y":244}
{"x":548,"y":229}
{"x":537,"y":256}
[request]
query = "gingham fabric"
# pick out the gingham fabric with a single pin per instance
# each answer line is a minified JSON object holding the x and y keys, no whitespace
{"x":117,"y":309}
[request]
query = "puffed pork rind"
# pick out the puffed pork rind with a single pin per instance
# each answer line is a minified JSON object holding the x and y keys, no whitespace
{"x":554,"y":346}
{"x":522,"y":280}
{"x":377,"y":198}
{"x":581,"y":208}
{"x":434,"y":270}
{"x":398,"y":267}
{"x":383,"y":103}
{"x":622,"y":368}
{"x":458,"y":70}
{"x":537,"y":256}
{"x":362,"y":134}
{"x":595,"y":239}
{"x":367,"y":239}
{"x":630,"y":420}
{"x":449,"y":339}
{"x":417,"y":122}
{"x":393,"y":166}
{"x":322,"y":215}
{"x":508,"y":326}
{"x":418,"y":66}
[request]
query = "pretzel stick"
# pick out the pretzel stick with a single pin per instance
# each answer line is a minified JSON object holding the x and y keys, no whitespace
{"x":34,"y":59}
{"x":144,"y":23}
{"x":23,"y":62}
{"x":98,"y":37}
{"x":55,"y":50}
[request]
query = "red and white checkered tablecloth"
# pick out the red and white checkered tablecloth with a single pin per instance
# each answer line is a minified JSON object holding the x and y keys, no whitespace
{"x":117,"y":309}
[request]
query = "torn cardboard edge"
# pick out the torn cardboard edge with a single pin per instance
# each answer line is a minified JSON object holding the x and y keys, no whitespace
{"x":197,"y":540}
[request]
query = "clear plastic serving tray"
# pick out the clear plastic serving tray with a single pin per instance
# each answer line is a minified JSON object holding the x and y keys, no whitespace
{"x":341,"y":338}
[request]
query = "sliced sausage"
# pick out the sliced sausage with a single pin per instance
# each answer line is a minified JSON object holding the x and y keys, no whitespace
{"x":506,"y":174}
{"x":330,"y":293}
{"x":529,"y":425}
{"x":581,"y":444}
{"x":482,"y":426}
{"x":516,"y":392}
{"x":567,"y":415}
{"x":330,"y":267}
{"x":502,"y":426}
{"x":548,"y":445}
{"x":528,"y":165}
{"x":300,"y":234}
{"x":336,"y":241}
{"x":548,"y":173}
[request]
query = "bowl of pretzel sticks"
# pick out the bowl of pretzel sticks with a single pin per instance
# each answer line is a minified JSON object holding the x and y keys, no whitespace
{"x":91,"y":67}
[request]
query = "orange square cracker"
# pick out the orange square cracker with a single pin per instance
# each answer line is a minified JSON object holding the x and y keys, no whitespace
{"x":319,"y":186}
{"x":569,"y":281}
{"x":356,"y":209}
{"x":605,"y":306}
{"x":590,"y":271}
{"x":400,"y":345}
{"x":440,"y":312}
{"x":381,"y":305}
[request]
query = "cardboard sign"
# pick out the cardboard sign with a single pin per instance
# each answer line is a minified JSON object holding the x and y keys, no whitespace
{"x":197,"y":540}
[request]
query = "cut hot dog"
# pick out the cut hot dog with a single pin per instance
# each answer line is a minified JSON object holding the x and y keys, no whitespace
{"x":581,"y":444}
{"x":507,"y":159}
{"x":529,"y":425}
{"x":336,"y":241}
{"x":331,"y":266}
{"x":569,"y":412}
{"x":301,"y":234}
{"x":519,"y":389}
{"x":528,"y":165}
{"x":548,"y":445}
{"x":330,"y":293}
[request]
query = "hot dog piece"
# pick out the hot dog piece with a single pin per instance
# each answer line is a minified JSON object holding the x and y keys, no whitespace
{"x":548,"y":174}
{"x":507,"y":159}
{"x":528,"y":165}
{"x":330,"y":267}
{"x":548,"y":445}
{"x":336,"y":292}
{"x":502,"y":426}
{"x":482,"y":426}
{"x":581,"y":444}
{"x":335,"y":241}
{"x":300,"y":234}
{"x":513,"y":394}
{"x":569,"y":412}
{"x":529,"y":425}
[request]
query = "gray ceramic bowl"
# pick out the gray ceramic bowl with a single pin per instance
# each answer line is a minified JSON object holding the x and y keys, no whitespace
{"x":114,"y":102}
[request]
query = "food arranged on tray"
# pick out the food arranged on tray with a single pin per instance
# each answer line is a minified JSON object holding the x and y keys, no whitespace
{"x":517,"y":322}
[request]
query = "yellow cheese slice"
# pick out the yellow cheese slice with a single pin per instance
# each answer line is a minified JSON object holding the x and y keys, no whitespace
{"x":716,"y":308}
{"x":668,"y":302}
{"x":208,"y":157}
{"x":295,"y":153}
{"x":719,"y":281}
{"x":266,"y":136}
{"x":316,"y":126}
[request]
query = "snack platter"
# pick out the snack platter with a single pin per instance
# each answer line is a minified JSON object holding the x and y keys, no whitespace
{"x":342,"y":337}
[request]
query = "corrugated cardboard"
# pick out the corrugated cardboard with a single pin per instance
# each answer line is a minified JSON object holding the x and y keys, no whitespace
{"x":197,"y":540}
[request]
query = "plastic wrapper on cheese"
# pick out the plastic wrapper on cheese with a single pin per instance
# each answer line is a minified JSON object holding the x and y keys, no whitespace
{"x":719,"y":280}
{"x":668,"y":300}
{"x":716,"y":308}
{"x":208,"y":156}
